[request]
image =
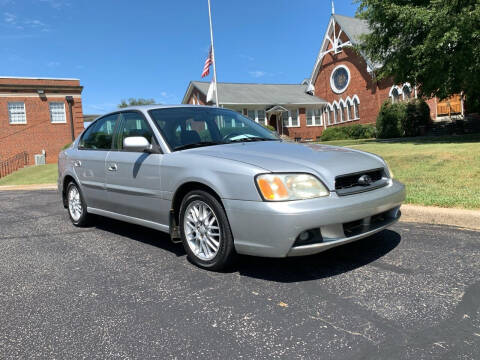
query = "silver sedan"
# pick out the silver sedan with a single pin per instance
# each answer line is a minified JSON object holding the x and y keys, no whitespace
{"x":224,"y":185}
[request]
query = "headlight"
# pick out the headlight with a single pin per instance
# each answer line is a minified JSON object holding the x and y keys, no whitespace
{"x":283,"y":187}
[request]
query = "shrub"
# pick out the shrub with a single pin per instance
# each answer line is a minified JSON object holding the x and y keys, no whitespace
{"x":402,"y":119}
{"x":67,"y":146}
{"x":357,"y":131}
{"x":269,"y":127}
{"x":390,"y":120}
{"x":417,"y":118}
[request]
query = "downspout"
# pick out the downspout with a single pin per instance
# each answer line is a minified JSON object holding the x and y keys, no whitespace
{"x":70,"y":109}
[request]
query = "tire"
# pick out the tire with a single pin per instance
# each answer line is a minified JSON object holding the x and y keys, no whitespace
{"x":76,"y":206}
{"x":206,"y":234}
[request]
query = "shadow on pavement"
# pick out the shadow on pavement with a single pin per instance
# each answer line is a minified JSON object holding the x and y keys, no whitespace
{"x":329,"y":263}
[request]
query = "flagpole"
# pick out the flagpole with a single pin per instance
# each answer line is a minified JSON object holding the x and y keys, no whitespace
{"x":213,"y":54}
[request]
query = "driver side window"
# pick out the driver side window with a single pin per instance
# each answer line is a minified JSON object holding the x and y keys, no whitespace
{"x":99,"y":135}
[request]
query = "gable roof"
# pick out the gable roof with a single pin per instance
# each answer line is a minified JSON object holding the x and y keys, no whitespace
{"x":257,"y":94}
{"x":353,"y":27}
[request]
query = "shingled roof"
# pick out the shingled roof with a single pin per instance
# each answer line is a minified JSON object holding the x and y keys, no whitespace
{"x":353,"y":27}
{"x":257,"y":94}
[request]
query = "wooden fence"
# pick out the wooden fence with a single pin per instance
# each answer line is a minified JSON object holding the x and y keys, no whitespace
{"x":13,"y":164}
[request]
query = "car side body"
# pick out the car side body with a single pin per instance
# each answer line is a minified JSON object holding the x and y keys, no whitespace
{"x":147,"y":187}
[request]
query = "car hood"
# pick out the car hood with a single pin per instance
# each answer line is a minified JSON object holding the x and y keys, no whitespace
{"x":325,"y":161}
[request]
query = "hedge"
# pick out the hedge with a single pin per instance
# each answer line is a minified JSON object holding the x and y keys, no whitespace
{"x":356,"y":131}
{"x":402,"y":119}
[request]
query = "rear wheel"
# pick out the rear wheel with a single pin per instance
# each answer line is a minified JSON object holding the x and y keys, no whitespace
{"x":205,"y":231}
{"x":77,"y":209}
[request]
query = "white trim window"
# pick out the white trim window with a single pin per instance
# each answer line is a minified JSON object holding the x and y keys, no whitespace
{"x":343,"y":116}
{"x":335,"y":114}
{"x":17,"y":113}
{"x":293,"y":118}
{"x":57,"y":113}
{"x":356,"y":105}
{"x":251,"y":114}
{"x":314,"y":117}
{"x":285,"y":119}
{"x":261,"y":119}
{"x":340,"y":79}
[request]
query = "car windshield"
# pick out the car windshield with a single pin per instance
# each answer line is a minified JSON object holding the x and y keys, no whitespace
{"x":188,"y":127}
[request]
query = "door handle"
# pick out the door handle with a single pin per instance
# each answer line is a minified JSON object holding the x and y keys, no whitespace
{"x":77,"y":163}
{"x":112,"y":167}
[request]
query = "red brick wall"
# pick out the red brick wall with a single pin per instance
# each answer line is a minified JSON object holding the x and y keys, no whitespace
{"x":370,"y":92}
{"x":38,"y":133}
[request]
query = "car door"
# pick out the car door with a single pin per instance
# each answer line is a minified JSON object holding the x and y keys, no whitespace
{"x":133,"y":178}
{"x":89,"y":160}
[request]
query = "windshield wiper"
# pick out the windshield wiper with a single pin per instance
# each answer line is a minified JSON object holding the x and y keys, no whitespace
{"x":199,"y":144}
{"x":249,"y":139}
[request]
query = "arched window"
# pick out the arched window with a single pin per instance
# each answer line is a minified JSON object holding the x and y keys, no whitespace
{"x":350,"y":110}
{"x":395,"y":94}
{"x":356,"y":105}
{"x":343,"y":115}
{"x":335,"y":113}
{"x":407,"y":92}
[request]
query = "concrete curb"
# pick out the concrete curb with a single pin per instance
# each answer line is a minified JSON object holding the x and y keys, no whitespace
{"x":468,"y":219}
{"x":29,"y":187}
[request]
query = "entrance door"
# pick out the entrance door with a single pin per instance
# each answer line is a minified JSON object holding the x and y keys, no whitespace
{"x":273,"y":121}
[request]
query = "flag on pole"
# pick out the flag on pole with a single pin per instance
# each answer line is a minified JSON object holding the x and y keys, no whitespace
{"x":208,"y":63}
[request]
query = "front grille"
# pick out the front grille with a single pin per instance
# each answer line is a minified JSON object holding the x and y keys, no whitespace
{"x":351,"y":183}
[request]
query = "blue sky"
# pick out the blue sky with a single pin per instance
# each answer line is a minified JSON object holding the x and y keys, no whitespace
{"x":152,"y":49}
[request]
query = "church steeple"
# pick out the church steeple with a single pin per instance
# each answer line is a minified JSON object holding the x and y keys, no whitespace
{"x":333,"y":8}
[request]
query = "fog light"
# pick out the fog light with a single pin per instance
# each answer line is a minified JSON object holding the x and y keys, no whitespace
{"x":304,"y":236}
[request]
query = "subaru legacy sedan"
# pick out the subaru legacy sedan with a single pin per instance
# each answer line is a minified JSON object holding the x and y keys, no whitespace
{"x":224,"y":185}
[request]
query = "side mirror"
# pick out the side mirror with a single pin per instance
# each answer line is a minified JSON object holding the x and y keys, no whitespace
{"x":136,"y":144}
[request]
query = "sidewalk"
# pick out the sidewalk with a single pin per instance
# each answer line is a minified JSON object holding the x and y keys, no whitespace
{"x":29,"y":187}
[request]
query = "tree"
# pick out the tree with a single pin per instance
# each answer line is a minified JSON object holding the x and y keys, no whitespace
{"x":133,"y":102}
{"x":431,"y":43}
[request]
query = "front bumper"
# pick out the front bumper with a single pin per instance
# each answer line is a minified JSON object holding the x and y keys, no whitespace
{"x":270,"y":229}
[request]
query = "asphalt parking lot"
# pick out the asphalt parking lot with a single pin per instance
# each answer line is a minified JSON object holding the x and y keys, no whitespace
{"x":115,"y":290}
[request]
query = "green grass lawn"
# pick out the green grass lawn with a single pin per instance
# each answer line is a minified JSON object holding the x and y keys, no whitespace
{"x":43,"y":174}
{"x":438,"y":171}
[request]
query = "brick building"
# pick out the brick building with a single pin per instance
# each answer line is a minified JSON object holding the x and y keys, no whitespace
{"x":342,"y":87}
{"x":36,"y":115}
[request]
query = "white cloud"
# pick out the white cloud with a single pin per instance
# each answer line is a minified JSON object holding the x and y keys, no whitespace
{"x":9,"y":18}
{"x":257,"y":73}
{"x":56,"y":4}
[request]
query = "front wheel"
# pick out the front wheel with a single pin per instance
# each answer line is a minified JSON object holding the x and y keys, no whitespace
{"x":205,"y":231}
{"x":77,"y":209}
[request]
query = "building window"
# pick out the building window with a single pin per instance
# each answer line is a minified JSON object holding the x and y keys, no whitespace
{"x":340,"y":79}
{"x":261,"y":117}
{"x":57,"y":112}
{"x":251,"y":114}
{"x":16,"y":113}
{"x":350,"y":110}
{"x":309,"y":114}
{"x":395,"y":95}
{"x":294,"y":117}
{"x":343,"y":116}
{"x":407,"y":92}
{"x":356,"y":104}
{"x":335,"y":114}
{"x":314,"y":117}
{"x":330,"y":116}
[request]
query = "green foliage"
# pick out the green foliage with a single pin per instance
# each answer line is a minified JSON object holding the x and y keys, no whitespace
{"x":357,"y":131}
{"x":134,"y":102}
{"x":402,"y":119}
{"x":431,"y":43}
{"x":66,"y":146}
{"x":417,"y":118}
{"x":390,"y":119}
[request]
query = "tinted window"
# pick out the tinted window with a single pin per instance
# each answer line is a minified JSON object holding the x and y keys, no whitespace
{"x":134,"y":124}
{"x":100,"y":134}
{"x":184,"y":126}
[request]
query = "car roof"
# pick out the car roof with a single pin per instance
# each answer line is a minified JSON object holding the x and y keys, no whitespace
{"x":145,"y":108}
